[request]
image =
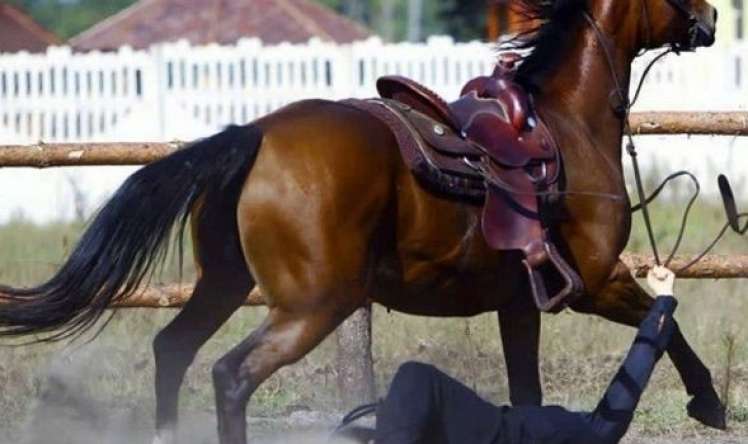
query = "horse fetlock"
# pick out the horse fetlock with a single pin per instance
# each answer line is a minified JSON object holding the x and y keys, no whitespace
{"x":236,"y":399}
{"x":232,"y":394}
{"x":701,"y":385}
{"x":526,"y":398}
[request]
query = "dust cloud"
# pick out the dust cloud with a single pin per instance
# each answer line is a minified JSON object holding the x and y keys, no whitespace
{"x":66,"y":412}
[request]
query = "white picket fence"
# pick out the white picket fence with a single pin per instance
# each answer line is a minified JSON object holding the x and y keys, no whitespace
{"x":179,"y":91}
{"x":176,"y":91}
{"x":710,"y":79}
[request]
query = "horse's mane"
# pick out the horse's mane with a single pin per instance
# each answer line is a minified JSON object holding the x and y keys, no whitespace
{"x":550,"y":31}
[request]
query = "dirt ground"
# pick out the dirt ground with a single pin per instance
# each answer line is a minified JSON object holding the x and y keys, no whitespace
{"x":679,"y":440}
{"x":68,"y":424}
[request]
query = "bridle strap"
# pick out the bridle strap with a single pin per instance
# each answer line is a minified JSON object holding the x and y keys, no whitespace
{"x":623,"y":107}
{"x":734,"y":218}
{"x":680,"y":6}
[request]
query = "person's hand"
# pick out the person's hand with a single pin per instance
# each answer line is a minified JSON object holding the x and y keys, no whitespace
{"x":661,"y":281}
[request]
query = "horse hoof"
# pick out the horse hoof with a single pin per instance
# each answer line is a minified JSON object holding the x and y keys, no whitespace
{"x":165,"y":437}
{"x":708,"y":410}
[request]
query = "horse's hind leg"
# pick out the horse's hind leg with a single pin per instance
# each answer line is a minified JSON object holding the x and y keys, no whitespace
{"x":212,"y":303}
{"x":625,"y":302}
{"x":309,"y":217}
{"x":284,"y":338}
{"x":221,"y":289}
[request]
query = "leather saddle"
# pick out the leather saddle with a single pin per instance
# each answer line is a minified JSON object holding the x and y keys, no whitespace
{"x":488,"y":148}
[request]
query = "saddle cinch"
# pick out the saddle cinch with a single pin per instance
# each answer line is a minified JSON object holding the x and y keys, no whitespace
{"x":489,"y":148}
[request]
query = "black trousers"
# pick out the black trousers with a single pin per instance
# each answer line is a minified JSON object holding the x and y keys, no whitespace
{"x":425,"y":406}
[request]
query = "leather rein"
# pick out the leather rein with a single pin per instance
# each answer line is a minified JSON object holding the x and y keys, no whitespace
{"x":623,"y":110}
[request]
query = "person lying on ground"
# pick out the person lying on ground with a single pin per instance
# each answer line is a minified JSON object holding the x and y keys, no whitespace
{"x":426,"y":406}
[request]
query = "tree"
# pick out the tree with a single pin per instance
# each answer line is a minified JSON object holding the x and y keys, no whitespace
{"x":415,"y":20}
{"x":464,"y":19}
{"x":67,"y":18}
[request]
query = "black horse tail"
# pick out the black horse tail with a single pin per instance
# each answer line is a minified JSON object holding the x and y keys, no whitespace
{"x":128,"y":236}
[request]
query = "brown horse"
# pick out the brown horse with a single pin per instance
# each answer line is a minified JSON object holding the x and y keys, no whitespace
{"x":314,"y":205}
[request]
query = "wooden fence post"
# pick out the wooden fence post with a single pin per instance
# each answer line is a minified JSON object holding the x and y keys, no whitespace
{"x":354,"y":360}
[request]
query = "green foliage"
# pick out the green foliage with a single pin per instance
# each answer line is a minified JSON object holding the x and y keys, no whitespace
{"x":67,"y":18}
{"x":464,"y":19}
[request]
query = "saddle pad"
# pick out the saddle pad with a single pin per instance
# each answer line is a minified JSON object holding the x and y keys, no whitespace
{"x":444,"y":172}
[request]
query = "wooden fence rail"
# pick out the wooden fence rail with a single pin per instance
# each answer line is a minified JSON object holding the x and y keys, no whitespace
{"x":711,"y":267}
{"x":88,"y":154}
{"x":103,"y":154}
{"x":714,"y":123}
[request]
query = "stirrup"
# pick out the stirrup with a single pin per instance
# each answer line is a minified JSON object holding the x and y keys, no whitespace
{"x":573,"y":285}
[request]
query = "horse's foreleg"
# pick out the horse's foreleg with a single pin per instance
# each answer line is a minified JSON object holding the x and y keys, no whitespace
{"x":520,"y":335}
{"x":705,"y":405}
{"x":624,"y":301}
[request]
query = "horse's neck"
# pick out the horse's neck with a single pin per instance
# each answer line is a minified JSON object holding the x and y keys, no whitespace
{"x":583,"y":89}
{"x":576,"y":102}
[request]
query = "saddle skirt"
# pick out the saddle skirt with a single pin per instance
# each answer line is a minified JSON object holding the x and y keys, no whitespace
{"x":488,"y":148}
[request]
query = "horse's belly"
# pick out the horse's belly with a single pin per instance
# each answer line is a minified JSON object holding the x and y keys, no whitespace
{"x":429,"y":289}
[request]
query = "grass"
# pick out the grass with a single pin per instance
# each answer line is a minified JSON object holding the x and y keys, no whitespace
{"x":579,"y":353}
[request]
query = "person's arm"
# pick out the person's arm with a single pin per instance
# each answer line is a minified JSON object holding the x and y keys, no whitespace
{"x":613,"y":415}
{"x":661,"y":281}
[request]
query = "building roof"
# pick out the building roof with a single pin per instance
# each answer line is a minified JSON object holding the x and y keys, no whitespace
{"x":19,"y":32}
{"x":219,"y":21}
